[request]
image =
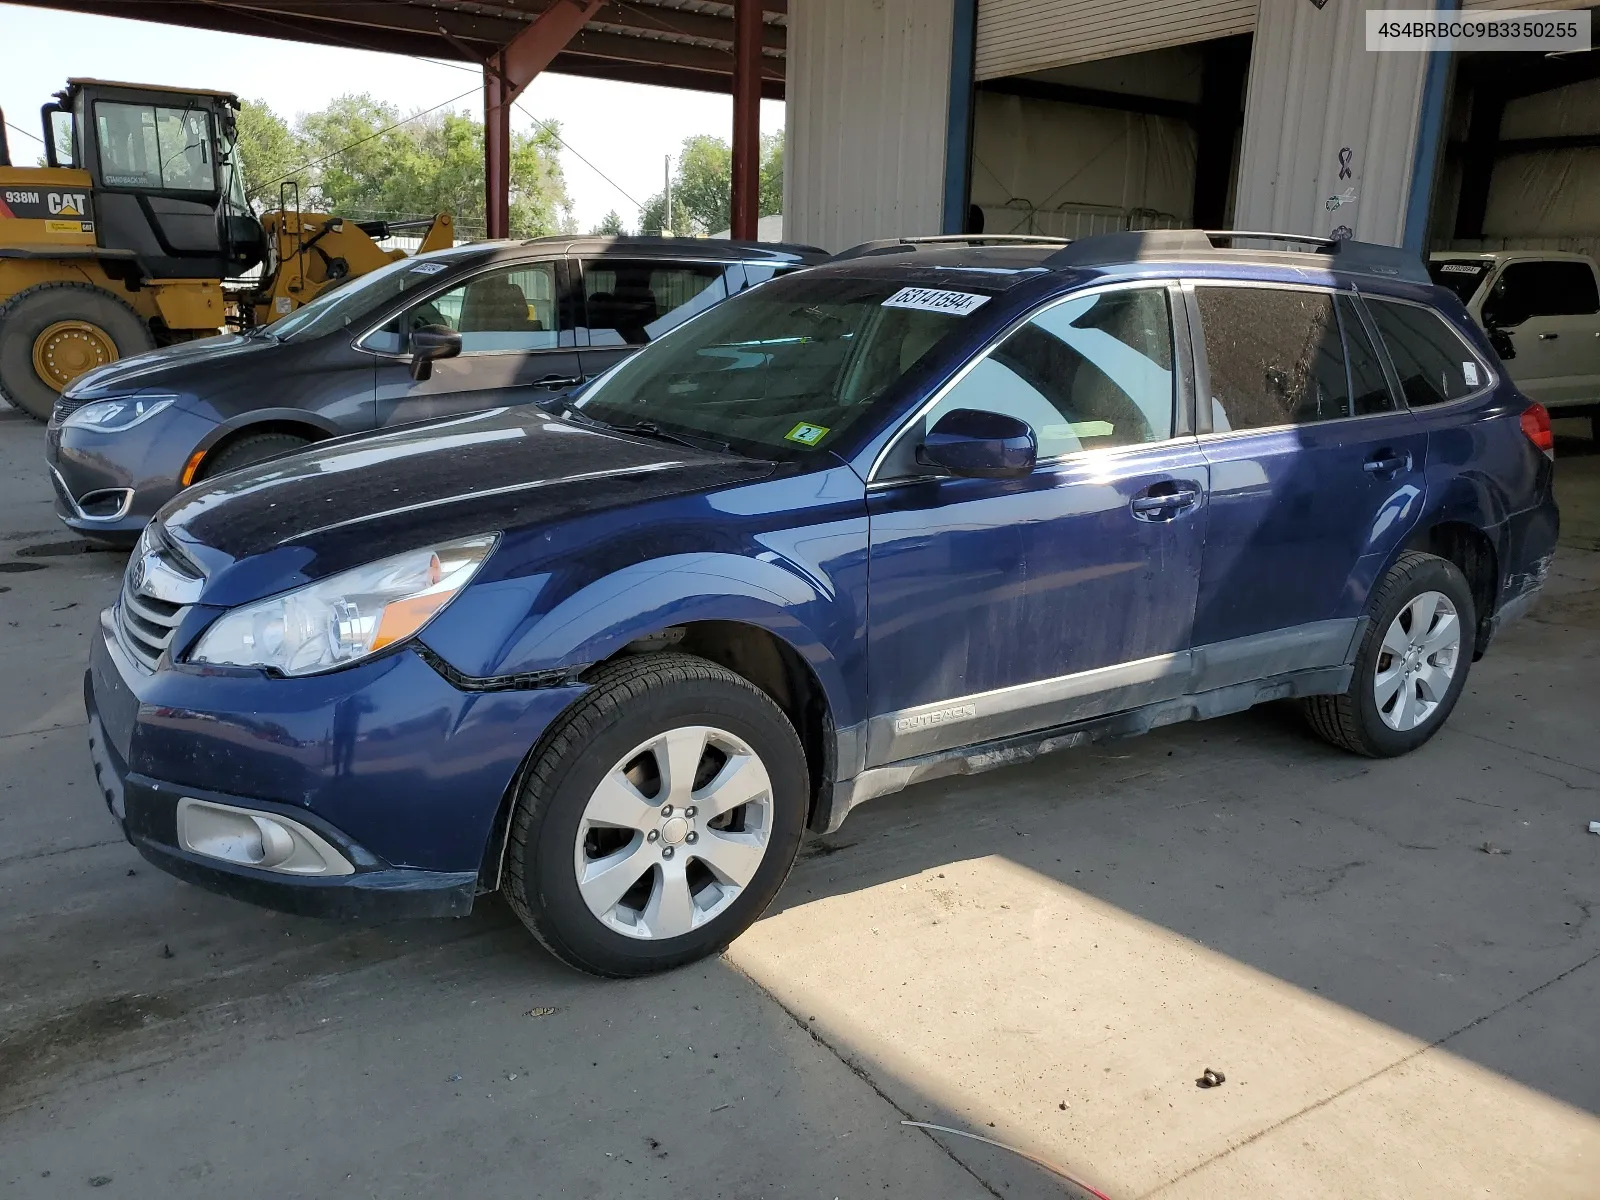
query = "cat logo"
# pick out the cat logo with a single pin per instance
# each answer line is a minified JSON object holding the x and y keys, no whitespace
{"x":67,"y":204}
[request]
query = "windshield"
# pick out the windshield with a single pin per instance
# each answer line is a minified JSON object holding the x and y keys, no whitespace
{"x":353,"y":301}
{"x":784,"y":370}
{"x":1461,"y":276}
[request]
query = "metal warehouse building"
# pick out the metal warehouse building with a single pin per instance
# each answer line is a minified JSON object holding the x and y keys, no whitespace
{"x":1071,"y":117}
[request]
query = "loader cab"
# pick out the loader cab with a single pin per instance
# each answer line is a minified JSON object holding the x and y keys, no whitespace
{"x":166,"y":179}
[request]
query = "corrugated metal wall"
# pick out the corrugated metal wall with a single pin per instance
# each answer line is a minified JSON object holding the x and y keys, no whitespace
{"x":1315,"y":92}
{"x":868,"y":97}
{"x":1017,"y":36}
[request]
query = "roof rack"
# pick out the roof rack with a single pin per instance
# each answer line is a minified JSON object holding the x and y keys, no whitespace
{"x":906,"y":244}
{"x":1149,"y":245}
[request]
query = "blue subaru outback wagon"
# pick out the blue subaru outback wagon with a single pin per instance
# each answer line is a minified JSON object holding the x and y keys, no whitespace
{"x":934,"y":506}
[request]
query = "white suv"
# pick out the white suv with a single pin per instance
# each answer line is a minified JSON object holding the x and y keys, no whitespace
{"x":1541,"y":309}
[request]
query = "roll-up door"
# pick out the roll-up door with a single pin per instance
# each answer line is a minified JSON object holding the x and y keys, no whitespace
{"x":1017,"y":36}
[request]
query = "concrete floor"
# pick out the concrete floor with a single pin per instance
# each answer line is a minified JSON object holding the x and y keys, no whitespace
{"x":1047,"y":956}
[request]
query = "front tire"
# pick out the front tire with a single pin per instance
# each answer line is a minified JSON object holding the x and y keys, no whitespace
{"x":658,"y":819}
{"x":1412,"y":665}
{"x":54,"y":332}
{"x":249,"y":450}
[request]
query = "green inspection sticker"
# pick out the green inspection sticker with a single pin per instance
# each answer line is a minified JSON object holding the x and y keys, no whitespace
{"x":806,"y":435}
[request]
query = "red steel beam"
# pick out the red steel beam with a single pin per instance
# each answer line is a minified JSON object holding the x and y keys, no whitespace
{"x":746,"y":199}
{"x":504,"y":77}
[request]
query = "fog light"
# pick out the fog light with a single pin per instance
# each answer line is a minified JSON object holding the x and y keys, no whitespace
{"x":256,"y":839}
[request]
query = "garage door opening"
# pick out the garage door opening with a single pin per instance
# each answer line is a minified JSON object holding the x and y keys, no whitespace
{"x":1515,"y":232}
{"x":1142,"y":141}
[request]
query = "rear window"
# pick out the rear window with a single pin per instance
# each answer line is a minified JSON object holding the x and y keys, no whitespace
{"x":1461,"y":276}
{"x":1434,"y":362}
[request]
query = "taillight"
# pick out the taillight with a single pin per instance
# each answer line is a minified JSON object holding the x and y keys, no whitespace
{"x":1536,"y":425}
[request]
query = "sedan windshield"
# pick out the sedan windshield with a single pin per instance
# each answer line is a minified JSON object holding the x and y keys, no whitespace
{"x":337,"y":308}
{"x":1461,"y":276}
{"x":781,"y":371}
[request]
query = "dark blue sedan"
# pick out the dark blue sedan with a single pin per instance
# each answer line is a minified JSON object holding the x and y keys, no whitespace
{"x":934,"y":507}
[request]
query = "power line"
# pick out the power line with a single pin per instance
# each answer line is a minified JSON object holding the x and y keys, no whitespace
{"x":550,"y":129}
{"x":26,"y":132}
{"x":359,"y":141}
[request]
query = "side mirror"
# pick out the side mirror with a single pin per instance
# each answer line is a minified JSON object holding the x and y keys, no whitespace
{"x":982,"y":445}
{"x":429,"y":343}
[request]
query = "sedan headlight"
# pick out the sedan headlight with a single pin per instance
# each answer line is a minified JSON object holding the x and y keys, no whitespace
{"x":346,"y":617}
{"x":113,"y":416}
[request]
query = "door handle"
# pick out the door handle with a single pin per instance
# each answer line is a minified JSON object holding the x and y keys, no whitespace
{"x":1149,"y":504}
{"x":555,"y":381}
{"x":1386,"y":464}
{"x":1548,"y":337}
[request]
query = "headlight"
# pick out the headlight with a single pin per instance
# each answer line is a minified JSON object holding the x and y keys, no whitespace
{"x":113,"y":416}
{"x":345,"y":617}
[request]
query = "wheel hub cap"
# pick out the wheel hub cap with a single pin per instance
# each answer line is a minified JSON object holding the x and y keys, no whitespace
{"x":673,"y":833}
{"x":1417,"y":661}
{"x":67,"y":349}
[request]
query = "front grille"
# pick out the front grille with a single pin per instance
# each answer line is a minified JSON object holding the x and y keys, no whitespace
{"x":158,"y":590}
{"x":65,"y":408}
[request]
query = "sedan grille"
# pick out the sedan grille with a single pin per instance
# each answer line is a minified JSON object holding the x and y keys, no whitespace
{"x":65,"y":408}
{"x":158,"y":590}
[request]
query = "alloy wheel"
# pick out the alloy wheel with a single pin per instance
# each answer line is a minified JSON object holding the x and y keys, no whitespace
{"x":673,"y":833}
{"x":1417,"y":661}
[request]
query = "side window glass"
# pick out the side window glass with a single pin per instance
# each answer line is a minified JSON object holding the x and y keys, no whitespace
{"x":1434,"y":364}
{"x":1556,"y":288}
{"x":1274,"y":356}
{"x":1085,"y":374}
{"x":508,"y":309}
{"x":154,"y":146}
{"x":1369,"y":388}
{"x":631,"y":303}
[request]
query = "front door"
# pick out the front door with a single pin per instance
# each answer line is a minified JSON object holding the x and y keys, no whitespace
{"x":1551,"y":311}
{"x":516,"y":346}
{"x":1000,"y":606}
{"x":1316,"y":477}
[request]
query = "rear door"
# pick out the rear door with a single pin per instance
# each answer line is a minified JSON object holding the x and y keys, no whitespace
{"x":517,"y":345}
{"x":1316,"y":477}
{"x":1550,"y":308}
{"x":625,"y":303}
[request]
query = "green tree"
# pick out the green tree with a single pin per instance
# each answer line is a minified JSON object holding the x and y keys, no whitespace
{"x":610,"y":226}
{"x":704,"y":181}
{"x":651,"y":216}
{"x":702,"y":186}
{"x":772,"y":174}
{"x":268,"y":151}
{"x":362,"y":159}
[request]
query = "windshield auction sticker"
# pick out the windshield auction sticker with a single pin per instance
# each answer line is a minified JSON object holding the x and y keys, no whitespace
{"x":957,"y":304}
{"x":1503,"y":29}
{"x":807,"y":435}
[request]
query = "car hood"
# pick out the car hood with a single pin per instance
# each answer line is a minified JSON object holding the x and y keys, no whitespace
{"x":153,"y":368}
{"x":353,"y":500}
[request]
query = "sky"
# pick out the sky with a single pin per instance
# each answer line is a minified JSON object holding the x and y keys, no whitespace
{"x":624,"y":129}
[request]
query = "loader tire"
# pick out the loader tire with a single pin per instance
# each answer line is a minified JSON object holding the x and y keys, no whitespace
{"x":53,"y":332}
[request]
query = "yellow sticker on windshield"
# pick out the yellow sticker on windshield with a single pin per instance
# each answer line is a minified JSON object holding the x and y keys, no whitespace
{"x":807,"y":435}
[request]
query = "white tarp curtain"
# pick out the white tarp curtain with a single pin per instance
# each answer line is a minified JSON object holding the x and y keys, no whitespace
{"x":1543,"y":199}
{"x":1068,"y":170}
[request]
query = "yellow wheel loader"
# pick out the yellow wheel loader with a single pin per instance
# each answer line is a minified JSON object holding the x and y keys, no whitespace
{"x":136,"y":233}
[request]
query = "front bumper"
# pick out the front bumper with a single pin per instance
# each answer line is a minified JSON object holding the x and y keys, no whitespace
{"x":108,"y":485}
{"x":401,"y":772}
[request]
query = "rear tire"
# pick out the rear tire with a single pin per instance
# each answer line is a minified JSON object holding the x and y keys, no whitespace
{"x":619,"y":869}
{"x":249,"y":450}
{"x":110,"y":330}
{"x":1412,"y":664}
